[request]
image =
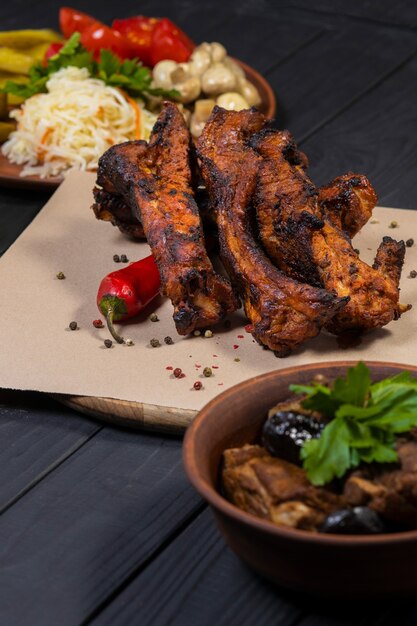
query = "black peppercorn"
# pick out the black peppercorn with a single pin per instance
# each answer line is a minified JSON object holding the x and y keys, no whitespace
{"x":409,"y":243}
{"x":73,"y":325}
{"x":108,"y":343}
{"x":124,"y":258}
{"x":168,"y":341}
{"x":116,"y":258}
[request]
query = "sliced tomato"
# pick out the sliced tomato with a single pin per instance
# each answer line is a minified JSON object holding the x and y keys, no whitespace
{"x":98,"y":36}
{"x":138,"y":32}
{"x":53,"y":49}
{"x":170,"y":42}
{"x":72,"y":20}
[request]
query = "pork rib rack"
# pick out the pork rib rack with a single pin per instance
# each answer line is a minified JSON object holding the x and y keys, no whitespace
{"x":303,"y":242}
{"x":283,"y":312}
{"x":155,"y":182}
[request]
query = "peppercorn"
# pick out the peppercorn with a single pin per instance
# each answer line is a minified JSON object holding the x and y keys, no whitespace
{"x":155,"y":343}
{"x":207,"y":372}
{"x":116,"y":258}
{"x":208,"y":334}
{"x":98,"y":324}
{"x":197,"y":385}
{"x":60,"y":276}
{"x":153,"y":317}
{"x":123,"y":258}
{"x":197,"y":333}
{"x":237,"y":359}
{"x":168,"y":341}
{"x":73,"y":325}
{"x":413,"y":274}
{"x":393,"y":224}
{"x":129,"y":342}
{"x":409,"y":243}
{"x":108,"y":343}
{"x":356,"y":250}
{"x":374,"y":221}
{"x":177,"y":372}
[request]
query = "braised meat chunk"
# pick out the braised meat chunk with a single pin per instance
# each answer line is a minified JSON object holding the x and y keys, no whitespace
{"x":155,"y":181}
{"x":275,"y":489}
{"x":283,"y":312}
{"x":304,"y":243}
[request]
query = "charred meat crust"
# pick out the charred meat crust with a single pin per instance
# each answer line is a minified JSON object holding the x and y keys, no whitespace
{"x":319,"y":254}
{"x":111,"y":207}
{"x":155,"y":181}
{"x":348,"y":202}
{"x":283,"y":312}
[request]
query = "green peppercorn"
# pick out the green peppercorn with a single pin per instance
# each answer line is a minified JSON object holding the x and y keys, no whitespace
{"x":123,"y":258}
{"x":208,"y":334}
{"x":207,"y":372}
{"x":60,"y":276}
{"x":116,"y":258}
{"x":409,"y":243}
{"x":73,"y":325}
{"x":168,"y":340}
{"x":237,"y":359}
{"x":108,"y":343}
{"x":155,"y":343}
{"x":153,"y":317}
{"x":393,"y":224}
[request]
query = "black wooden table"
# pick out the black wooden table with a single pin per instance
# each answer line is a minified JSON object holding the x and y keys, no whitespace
{"x":100,"y":525}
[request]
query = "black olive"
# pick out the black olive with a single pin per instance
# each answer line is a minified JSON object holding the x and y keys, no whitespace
{"x":284,"y":433}
{"x":360,"y":520}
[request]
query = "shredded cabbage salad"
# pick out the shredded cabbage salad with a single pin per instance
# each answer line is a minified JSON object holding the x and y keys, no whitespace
{"x":73,"y":124}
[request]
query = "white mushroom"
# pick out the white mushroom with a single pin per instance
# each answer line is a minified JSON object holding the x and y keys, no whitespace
{"x":218,"y":52}
{"x":232,"y":101}
{"x":249,"y":92}
{"x":217,"y":79}
{"x":234,"y":67}
{"x":199,"y":62}
{"x":161,"y":74}
{"x":202,"y":110}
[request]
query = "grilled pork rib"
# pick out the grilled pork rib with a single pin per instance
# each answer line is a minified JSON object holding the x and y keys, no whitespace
{"x":155,"y":181}
{"x":283,"y":312}
{"x":304,"y":243}
{"x":348,"y":202}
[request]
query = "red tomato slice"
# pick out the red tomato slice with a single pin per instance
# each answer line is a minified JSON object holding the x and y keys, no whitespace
{"x":98,"y":36}
{"x":72,"y":20}
{"x":53,"y":49}
{"x":138,"y":32}
{"x":170,"y":42}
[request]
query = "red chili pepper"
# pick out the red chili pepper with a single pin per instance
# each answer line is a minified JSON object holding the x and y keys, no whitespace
{"x":124,"y":293}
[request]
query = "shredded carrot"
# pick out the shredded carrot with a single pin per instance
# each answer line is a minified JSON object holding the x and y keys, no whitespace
{"x":41,"y":152}
{"x":136,"y":109}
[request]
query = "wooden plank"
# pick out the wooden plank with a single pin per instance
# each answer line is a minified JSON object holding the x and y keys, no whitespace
{"x":401,"y":13}
{"x":80,"y":533}
{"x":326,"y":77}
{"x":376,"y":136}
{"x":198,"y":580}
{"x":17,"y":210}
{"x":36,"y":436}
{"x":280,"y":38}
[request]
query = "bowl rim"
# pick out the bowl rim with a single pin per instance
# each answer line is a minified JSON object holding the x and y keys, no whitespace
{"x":218,"y":502}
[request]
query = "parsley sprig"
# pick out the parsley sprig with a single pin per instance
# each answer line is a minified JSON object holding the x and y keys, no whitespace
{"x":129,"y":74}
{"x":364,"y":419}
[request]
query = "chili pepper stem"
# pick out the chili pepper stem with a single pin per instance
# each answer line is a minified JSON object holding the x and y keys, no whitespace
{"x":112,"y":330}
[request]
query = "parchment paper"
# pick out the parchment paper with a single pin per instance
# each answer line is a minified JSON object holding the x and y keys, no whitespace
{"x":39,"y":352}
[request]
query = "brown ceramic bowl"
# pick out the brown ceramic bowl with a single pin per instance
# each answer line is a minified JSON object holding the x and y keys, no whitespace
{"x":329,"y":565}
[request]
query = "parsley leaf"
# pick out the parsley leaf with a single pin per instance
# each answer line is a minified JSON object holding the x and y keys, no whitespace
{"x":365,"y":418}
{"x":130,"y":75}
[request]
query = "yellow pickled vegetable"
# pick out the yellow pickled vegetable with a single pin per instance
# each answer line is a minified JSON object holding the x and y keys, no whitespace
{"x":5,"y":129}
{"x":37,"y":52}
{"x":3,"y":106}
{"x":12,"y":100}
{"x":14,"y":61}
{"x":22,"y":39}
